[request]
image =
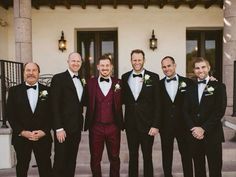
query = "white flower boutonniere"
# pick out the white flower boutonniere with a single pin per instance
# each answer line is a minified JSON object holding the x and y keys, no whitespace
{"x":182,"y":86}
{"x":147,"y":79}
{"x":117,"y":87}
{"x":209,"y":90}
{"x":43,"y":95}
{"x":83,"y":82}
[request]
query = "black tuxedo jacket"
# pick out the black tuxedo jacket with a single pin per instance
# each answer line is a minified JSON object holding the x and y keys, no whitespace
{"x":172,"y":118}
{"x":20,"y":115}
{"x":143,"y":113}
{"x":209,"y":112}
{"x":91,"y":89}
{"x":66,"y":107}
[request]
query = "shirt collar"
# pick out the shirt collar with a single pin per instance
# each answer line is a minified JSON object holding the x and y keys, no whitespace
{"x":32,"y":85}
{"x":72,"y":73}
{"x":106,"y":78}
{"x":133,"y":72}
{"x":207,"y":79}
{"x":176,"y":75}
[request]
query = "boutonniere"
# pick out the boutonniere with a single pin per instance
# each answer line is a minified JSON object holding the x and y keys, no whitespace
{"x":83,"y":82}
{"x":182,"y":86}
{"x":209,"y":90}
{"x":43,"y":95}
{"x":147,"y":79}
{"x":117,"y":87}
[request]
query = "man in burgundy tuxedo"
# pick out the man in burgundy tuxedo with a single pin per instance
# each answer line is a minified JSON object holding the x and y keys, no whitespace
{"x":204,"y":107}
{"x":104,"y":117}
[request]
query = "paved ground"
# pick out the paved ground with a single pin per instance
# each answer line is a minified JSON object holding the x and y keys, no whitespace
{"x":83,"y":170}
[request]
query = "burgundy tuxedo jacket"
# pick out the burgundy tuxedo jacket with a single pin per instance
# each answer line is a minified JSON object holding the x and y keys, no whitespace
{"x":90,"y":95}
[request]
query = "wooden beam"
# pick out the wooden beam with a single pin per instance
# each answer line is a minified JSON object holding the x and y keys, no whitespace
{"x":146,"y":3}
{"x":67,"y":4}
{"x":83,"y":4}
{"x":193,"y":3}
{"x":52,"y":4}
{"x":35,"y":4}
{"x":209,"y":3}
{"x":115,"y":4}
{"x":130,"y":4}
{"x":99,"y":4}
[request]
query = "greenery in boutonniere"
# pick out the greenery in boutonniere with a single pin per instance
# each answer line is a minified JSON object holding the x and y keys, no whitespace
{"x":117,"y":87}
{"x":182,"y":86}
{"x":209,"y":90}
{"x":83,"y":82}
{"x":147,"y":79}
{"x":43,"y":95}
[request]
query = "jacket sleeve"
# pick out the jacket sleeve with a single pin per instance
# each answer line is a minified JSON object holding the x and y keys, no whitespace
{"x":56,"y":92}
{"x":219,"y":108}
{"x":11,"y":112}
{"x":157,"y":97}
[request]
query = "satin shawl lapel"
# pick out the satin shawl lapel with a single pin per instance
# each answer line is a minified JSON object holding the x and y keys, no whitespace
{"x":25,"y":100}
{"x":127,"y":84}
{"x":166,"y":95}
{"x":69,"y":83}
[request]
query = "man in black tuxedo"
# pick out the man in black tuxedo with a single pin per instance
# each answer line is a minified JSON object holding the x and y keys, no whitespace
{"x":29,"y":116}
{"x":141,"y":96}
{"x":204,"y":107}
{"x":67,"y":109}
{"x":173,"y":88}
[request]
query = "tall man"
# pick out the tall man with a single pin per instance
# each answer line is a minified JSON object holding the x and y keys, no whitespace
{"x":104,"y":117}
{"x":67,"y":108}
{"x":204,"y":106}
{"x":29,"y":116}
{"x":173,"y":89}
{"x":141,"y":94}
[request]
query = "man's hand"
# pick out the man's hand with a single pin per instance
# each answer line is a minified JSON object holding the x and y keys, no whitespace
{"x":38,"y":134}
{"x":153,"y":131}
{"x":61,"y":136}
{"x":198,"y":132}
{"x":27,"y":134}
{"x":213,"y":78}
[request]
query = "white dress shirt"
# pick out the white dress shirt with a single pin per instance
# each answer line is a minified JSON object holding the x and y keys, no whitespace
{"x":201,"y":88}
{"x":172,"y":87}
{"x":33,"y":95}
{"x":105,"y":86}
{"x":77,"y":83}
{"x":135,"y":84}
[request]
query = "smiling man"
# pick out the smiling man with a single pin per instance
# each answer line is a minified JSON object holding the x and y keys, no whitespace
{"x":67,"y":108}
{"x":141,"y":97}
{"x":28,"y":113}
{"x":204,"y":107}
{"x":173,"y":89}
{"x":104,"y":118}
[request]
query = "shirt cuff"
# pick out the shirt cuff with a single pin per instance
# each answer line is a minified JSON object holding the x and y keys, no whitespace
{"x":60,"y":129}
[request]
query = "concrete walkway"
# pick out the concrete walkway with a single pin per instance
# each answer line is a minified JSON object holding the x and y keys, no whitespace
{"x":83,"y":169}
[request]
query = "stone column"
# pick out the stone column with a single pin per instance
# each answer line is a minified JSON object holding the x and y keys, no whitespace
{"x":23,"y":30}
{"x":229,"y":50}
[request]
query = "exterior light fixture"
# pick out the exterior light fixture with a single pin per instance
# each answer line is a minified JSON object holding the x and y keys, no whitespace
{"x":153,"y":41}
{"x":62,"y":43}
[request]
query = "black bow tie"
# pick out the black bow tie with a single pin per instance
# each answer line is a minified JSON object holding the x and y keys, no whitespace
{"x":171,"y":79}
{"x":103,"y":79}
{"x":137,"y":75}
{"x":33,"y":87}
{"x":202,"y":82}
{"x":76,"y":76}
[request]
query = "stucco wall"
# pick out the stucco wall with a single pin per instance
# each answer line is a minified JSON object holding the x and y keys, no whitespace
{"x":3,"y":35}
{"x":134,"y":30}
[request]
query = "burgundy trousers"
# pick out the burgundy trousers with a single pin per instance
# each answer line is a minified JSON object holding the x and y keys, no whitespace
{"x":100,"y":135}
